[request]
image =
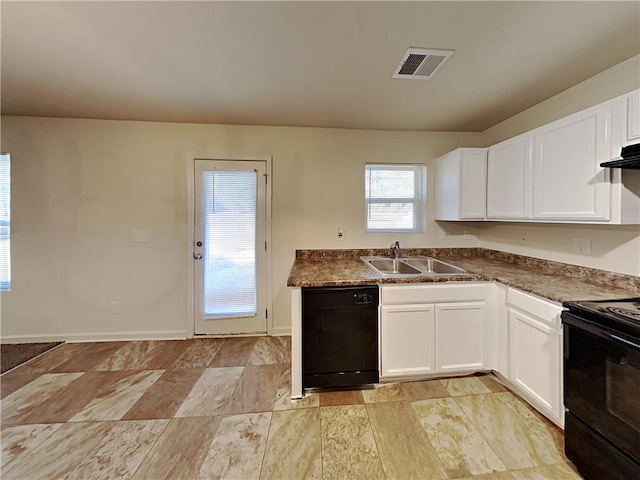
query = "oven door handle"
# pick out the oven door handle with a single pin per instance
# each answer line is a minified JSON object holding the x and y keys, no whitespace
{"x":622,"y":340}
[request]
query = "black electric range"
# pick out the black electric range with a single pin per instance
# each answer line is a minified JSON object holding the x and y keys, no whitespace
{"x":602,"y":387}
{"x":621,"y":315}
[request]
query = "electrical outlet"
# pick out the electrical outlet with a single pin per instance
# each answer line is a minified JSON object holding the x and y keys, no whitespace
{"x":115,"y":307}
{"x":582,"y":246}
{"x":140,"y":236}
{"x":340,"y":234}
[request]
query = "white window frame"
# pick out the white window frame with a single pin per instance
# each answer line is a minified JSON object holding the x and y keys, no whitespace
{"x":418,"y":200}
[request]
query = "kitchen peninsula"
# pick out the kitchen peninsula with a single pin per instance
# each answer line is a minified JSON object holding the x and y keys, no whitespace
{"x":503,"y":315}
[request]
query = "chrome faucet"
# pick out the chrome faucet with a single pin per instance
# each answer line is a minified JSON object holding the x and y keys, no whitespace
{"x":395,"y":250}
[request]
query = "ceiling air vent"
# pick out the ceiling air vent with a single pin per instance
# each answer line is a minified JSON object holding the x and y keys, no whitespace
{"x":421,"y":64}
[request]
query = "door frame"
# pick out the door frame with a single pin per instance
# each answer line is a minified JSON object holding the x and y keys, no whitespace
{"x":191,"y":227}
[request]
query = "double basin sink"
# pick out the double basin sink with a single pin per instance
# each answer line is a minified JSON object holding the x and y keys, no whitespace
{"x":411,"y":266}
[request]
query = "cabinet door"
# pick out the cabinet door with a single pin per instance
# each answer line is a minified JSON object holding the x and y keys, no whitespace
{"x":407,"y":340}
{"x":460,"y":336}
{"x":509,"y":178}
{"x":473,"y":184}
{"x":633,"y":119}
{"x":535,"y":361}
{"x":568,"y":182}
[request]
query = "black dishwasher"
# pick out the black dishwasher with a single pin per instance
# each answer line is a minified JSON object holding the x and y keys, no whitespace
{"x":339,"y":336}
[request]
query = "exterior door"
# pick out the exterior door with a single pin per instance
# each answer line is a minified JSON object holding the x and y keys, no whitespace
{"x":229,"y":247}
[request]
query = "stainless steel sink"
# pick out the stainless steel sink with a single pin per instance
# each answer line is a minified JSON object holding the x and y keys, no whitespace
{"x":431,"y":265}
{"x":411,"y":266}
{"x":392,"y":266}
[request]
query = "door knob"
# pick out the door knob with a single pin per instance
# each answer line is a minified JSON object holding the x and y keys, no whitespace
{"x":197,"y":256}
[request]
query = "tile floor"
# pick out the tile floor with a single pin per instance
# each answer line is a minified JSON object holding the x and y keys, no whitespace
{"x":221,"y":408}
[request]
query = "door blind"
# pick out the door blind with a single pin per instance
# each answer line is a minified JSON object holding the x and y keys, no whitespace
{"x":230,"y":232}
{"x":5,"y":222}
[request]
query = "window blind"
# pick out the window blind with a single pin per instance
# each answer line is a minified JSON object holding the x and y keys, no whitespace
{"x":393,"y":196}
{"x":230,"y":243}
{"x":5,"y":222}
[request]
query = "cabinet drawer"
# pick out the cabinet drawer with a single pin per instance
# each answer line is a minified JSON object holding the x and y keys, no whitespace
{"x":431,"y":293}
{"x":545,"y":310}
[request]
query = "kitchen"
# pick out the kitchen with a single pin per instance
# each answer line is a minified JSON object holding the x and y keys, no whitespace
{"x":81,"y":193}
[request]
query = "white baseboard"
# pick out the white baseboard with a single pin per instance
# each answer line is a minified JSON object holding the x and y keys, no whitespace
{"x":96,"y":337}
{"x":280,"y":331}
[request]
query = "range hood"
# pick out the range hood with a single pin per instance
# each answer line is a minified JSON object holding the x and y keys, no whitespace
{"x":630,"y":158}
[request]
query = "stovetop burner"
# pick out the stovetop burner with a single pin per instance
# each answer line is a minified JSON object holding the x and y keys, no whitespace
{"x":633,"y":314}
{"x":620,"y":314}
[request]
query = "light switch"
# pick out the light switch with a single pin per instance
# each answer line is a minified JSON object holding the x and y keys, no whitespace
{"x":140,"y":236}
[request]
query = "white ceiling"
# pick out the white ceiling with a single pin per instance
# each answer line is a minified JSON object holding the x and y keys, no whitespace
{"x":321,"y":64}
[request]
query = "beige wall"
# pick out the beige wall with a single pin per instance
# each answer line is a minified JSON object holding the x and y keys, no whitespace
{"x":613,"y":248}
{"x":81,"y":186}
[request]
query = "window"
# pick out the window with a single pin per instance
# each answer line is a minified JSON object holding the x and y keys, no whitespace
{"x":395,"y":197}
{"x":5,"y":222}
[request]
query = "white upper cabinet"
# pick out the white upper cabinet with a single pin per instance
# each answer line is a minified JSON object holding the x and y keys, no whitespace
{"x":568,"y":182}
{"x":550,"y":174}
{"x":633,"y":118}
{"x":509,"y":170}
{"x":625,"y":124}
{"x":460,"y":184}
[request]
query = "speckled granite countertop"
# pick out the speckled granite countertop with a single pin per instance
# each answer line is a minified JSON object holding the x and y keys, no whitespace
{"x":552,"y":280}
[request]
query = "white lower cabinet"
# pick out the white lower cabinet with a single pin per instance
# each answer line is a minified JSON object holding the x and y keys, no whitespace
{"x":407,"y":340}
{"x":426,"y":329}
{"x":460,"y":336}
{"x":441,"y":329}
{"x":535,"y":352}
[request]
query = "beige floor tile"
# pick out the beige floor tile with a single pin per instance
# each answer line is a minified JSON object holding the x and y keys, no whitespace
{"x":344,"y":397}
{"x":558,"y":471}
{"x":507,"y":434}
{"x":294,"y":446}
{"x":165,"y":396}
{"x":402,"y":443}
{"x":120,"y":452}
{"x":286,"y":342}
{"x":464,"y":386}
{"x":424,"y":390}
{"x":69,"y":401}
{"x":256,"y":390}
{"x":162,"y":356}
{"x":23,"y":403}
{"x":348,"y":447}
{"x":492,"y":383}
{"x":51,"y":358}
{"x":267,"y":350}
{"x":238,"y":448}
{"x":199,"y":353}
{"x":283,"y":396}
{"x":458,"y":444}
{"x":384,"y":392}
{"x":212,"y":393}
{"x":549,"y":433}
{"x":60,"y":453}
{"x":88,"y":355}
{"x":234,"y":352}
{"x":20,"y":440}
{"x":127,"y":356}
{"x":14,"y":380}
{"x":114,"y":401}
{"x":180,"y":450}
